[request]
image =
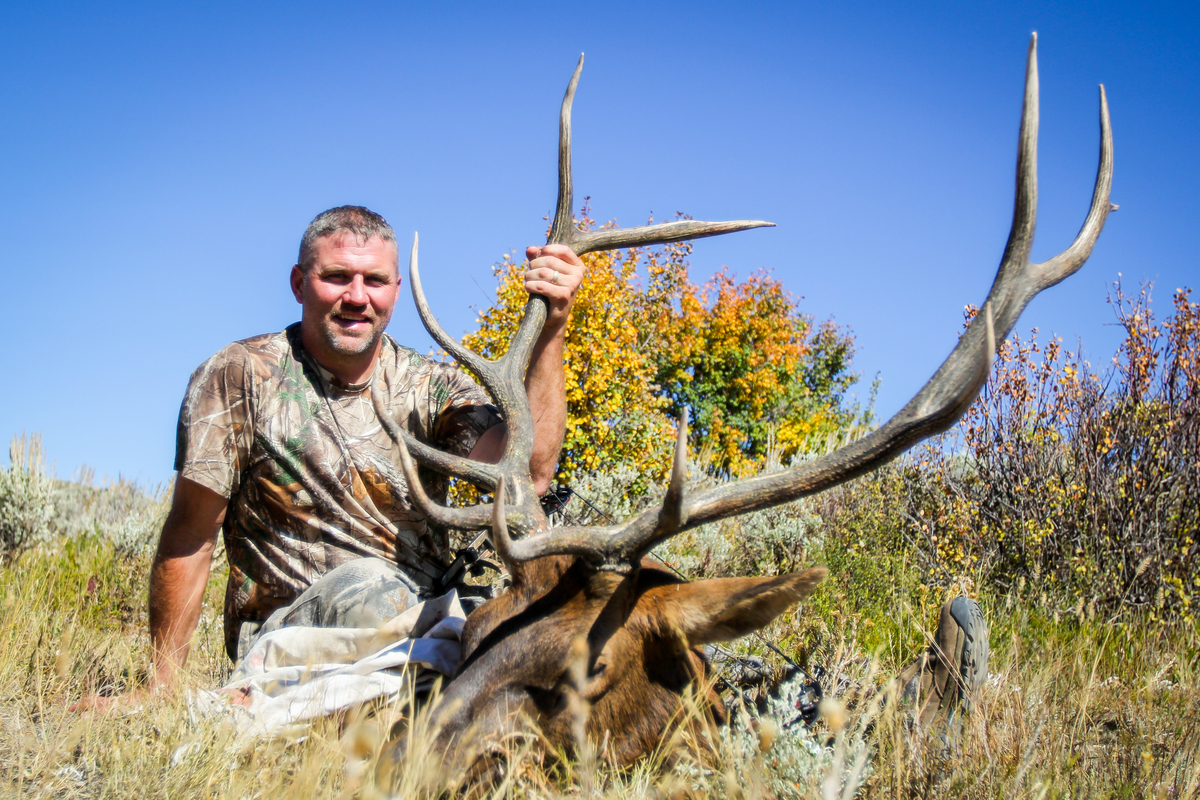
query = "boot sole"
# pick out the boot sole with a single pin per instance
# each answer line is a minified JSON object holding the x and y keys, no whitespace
{"x":973,"y":659}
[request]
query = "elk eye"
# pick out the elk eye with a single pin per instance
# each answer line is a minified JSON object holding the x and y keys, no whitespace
{"x":548,"y":701}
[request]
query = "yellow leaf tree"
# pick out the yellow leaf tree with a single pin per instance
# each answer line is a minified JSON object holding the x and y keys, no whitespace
{"x":643,"y":342}
{"x":755,"y":373}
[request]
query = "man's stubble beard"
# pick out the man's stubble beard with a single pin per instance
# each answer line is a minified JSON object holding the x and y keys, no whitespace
{"x":348,"y":345}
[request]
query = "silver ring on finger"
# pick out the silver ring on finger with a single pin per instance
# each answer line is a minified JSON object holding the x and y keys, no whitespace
{"x":554,"y":278}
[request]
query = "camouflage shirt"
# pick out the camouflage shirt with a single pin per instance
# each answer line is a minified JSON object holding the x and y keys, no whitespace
{"x":312,"y":477}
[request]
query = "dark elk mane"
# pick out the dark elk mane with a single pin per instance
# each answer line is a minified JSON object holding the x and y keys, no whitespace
{"x":588,"y":592}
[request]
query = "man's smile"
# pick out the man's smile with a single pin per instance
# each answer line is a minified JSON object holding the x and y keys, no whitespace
{"x":352,"y":321}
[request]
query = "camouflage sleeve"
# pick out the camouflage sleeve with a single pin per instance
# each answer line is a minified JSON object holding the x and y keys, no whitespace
{"x":459,"y":409}
{"x":215,"y":423}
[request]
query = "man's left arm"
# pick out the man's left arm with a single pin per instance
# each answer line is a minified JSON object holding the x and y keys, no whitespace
{"x":556,"y":273}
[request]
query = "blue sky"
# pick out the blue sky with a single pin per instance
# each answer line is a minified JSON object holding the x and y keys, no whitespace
{"x":159,"y":164}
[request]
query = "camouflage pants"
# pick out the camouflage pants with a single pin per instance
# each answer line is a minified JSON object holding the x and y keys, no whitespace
{"x":364,"y":593}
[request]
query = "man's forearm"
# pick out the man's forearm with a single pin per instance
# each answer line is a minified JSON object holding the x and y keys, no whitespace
{"x":546,"y":388}
{"x":179,"y":575}
{"x":556,"y":273}
{"x":177,"y":583}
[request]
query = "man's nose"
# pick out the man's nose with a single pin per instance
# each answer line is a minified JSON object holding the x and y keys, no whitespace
{"x":356,"y":291}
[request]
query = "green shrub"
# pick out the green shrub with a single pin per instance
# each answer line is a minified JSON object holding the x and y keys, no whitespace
{"x":122,"y":512}
{"x":36,"y":509}
{"x":26,"y":493}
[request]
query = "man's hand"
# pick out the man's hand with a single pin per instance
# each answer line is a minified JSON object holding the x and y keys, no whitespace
{"x":556,"y":273}
{"x":107,"y":704}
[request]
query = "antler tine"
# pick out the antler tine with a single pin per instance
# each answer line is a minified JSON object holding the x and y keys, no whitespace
{"x":939,"y":403}
{"x":476,"y":472}
{"x":501,"y":541}
{"x":480,"y":366}
{"x":662,"y":233}
{"x":564,"y":221}
{"x":1020,"y":236}
{"x":564,"y":231}
{"x":473,"y":518}
{"x":598,"y":545}
{"x":674,"y":513}
{"x":1069,"y":261}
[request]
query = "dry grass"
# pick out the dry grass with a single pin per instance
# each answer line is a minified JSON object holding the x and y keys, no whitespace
{"x":1073,"y":708}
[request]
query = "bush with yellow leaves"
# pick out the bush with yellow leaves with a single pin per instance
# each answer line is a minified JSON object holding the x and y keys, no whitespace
{"x":1080,"y":486}
{"x":644,"y":342}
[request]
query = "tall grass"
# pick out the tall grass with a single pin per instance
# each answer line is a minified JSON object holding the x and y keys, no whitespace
{"x":1078,"y":708}
{"x":1094,"y":684}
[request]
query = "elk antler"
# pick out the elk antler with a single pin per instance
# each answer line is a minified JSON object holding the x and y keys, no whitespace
{"x":934,"y":408}
{"x":564,"y":230}
{"x":504,"y":377}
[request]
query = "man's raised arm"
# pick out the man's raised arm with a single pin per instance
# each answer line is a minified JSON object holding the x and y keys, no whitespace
{"x":555,"y":272}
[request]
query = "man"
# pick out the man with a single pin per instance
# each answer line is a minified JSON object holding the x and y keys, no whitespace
{"x":280,"y":446}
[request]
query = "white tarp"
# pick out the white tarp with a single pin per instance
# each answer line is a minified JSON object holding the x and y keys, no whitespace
{"x":294,"y":674}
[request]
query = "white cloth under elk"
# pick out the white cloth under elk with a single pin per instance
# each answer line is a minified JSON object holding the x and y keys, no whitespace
{"x":294,"y":675}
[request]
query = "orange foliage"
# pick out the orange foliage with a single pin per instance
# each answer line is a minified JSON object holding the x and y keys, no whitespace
{"x":753,"y":371}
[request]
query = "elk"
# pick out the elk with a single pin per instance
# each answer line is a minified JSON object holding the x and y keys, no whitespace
{"x":591,"y":595}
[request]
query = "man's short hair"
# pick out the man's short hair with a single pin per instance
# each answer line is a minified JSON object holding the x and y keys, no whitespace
{"x":362,"y":222}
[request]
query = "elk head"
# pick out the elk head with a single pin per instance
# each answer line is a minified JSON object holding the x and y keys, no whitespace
{"x":588,"y":616}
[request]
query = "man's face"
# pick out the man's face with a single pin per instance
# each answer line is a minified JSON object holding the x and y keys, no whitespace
{"x":348,"y":295}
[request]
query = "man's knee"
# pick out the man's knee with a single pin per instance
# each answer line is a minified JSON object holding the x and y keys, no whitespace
{"x":365,"y":593}
{"x":362,"y":569}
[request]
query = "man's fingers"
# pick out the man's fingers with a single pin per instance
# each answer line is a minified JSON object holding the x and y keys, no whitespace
{"x":554,"y":271}
{"x":550,"y":290}
{"x":561,"y":251}
{"x":238,"y":697}
{"x":95,"y":702}
{"x":99,"y":704}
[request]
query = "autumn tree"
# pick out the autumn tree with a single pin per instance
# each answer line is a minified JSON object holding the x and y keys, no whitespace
{"x":754,"y":372}
{"x":643,"y":342}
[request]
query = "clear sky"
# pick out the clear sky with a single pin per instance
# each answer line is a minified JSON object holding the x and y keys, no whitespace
{"x":158,"y":165}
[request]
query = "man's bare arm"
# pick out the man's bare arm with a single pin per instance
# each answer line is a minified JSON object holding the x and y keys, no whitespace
{"x":180,"y":575}
{"x":555,"y":272}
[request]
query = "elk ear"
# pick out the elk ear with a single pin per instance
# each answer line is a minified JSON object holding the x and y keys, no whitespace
{"x":721,"y":609}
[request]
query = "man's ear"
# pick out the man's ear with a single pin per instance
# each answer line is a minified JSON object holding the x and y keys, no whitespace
{"x":721,"y":609}
{"x":297,"y":281}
